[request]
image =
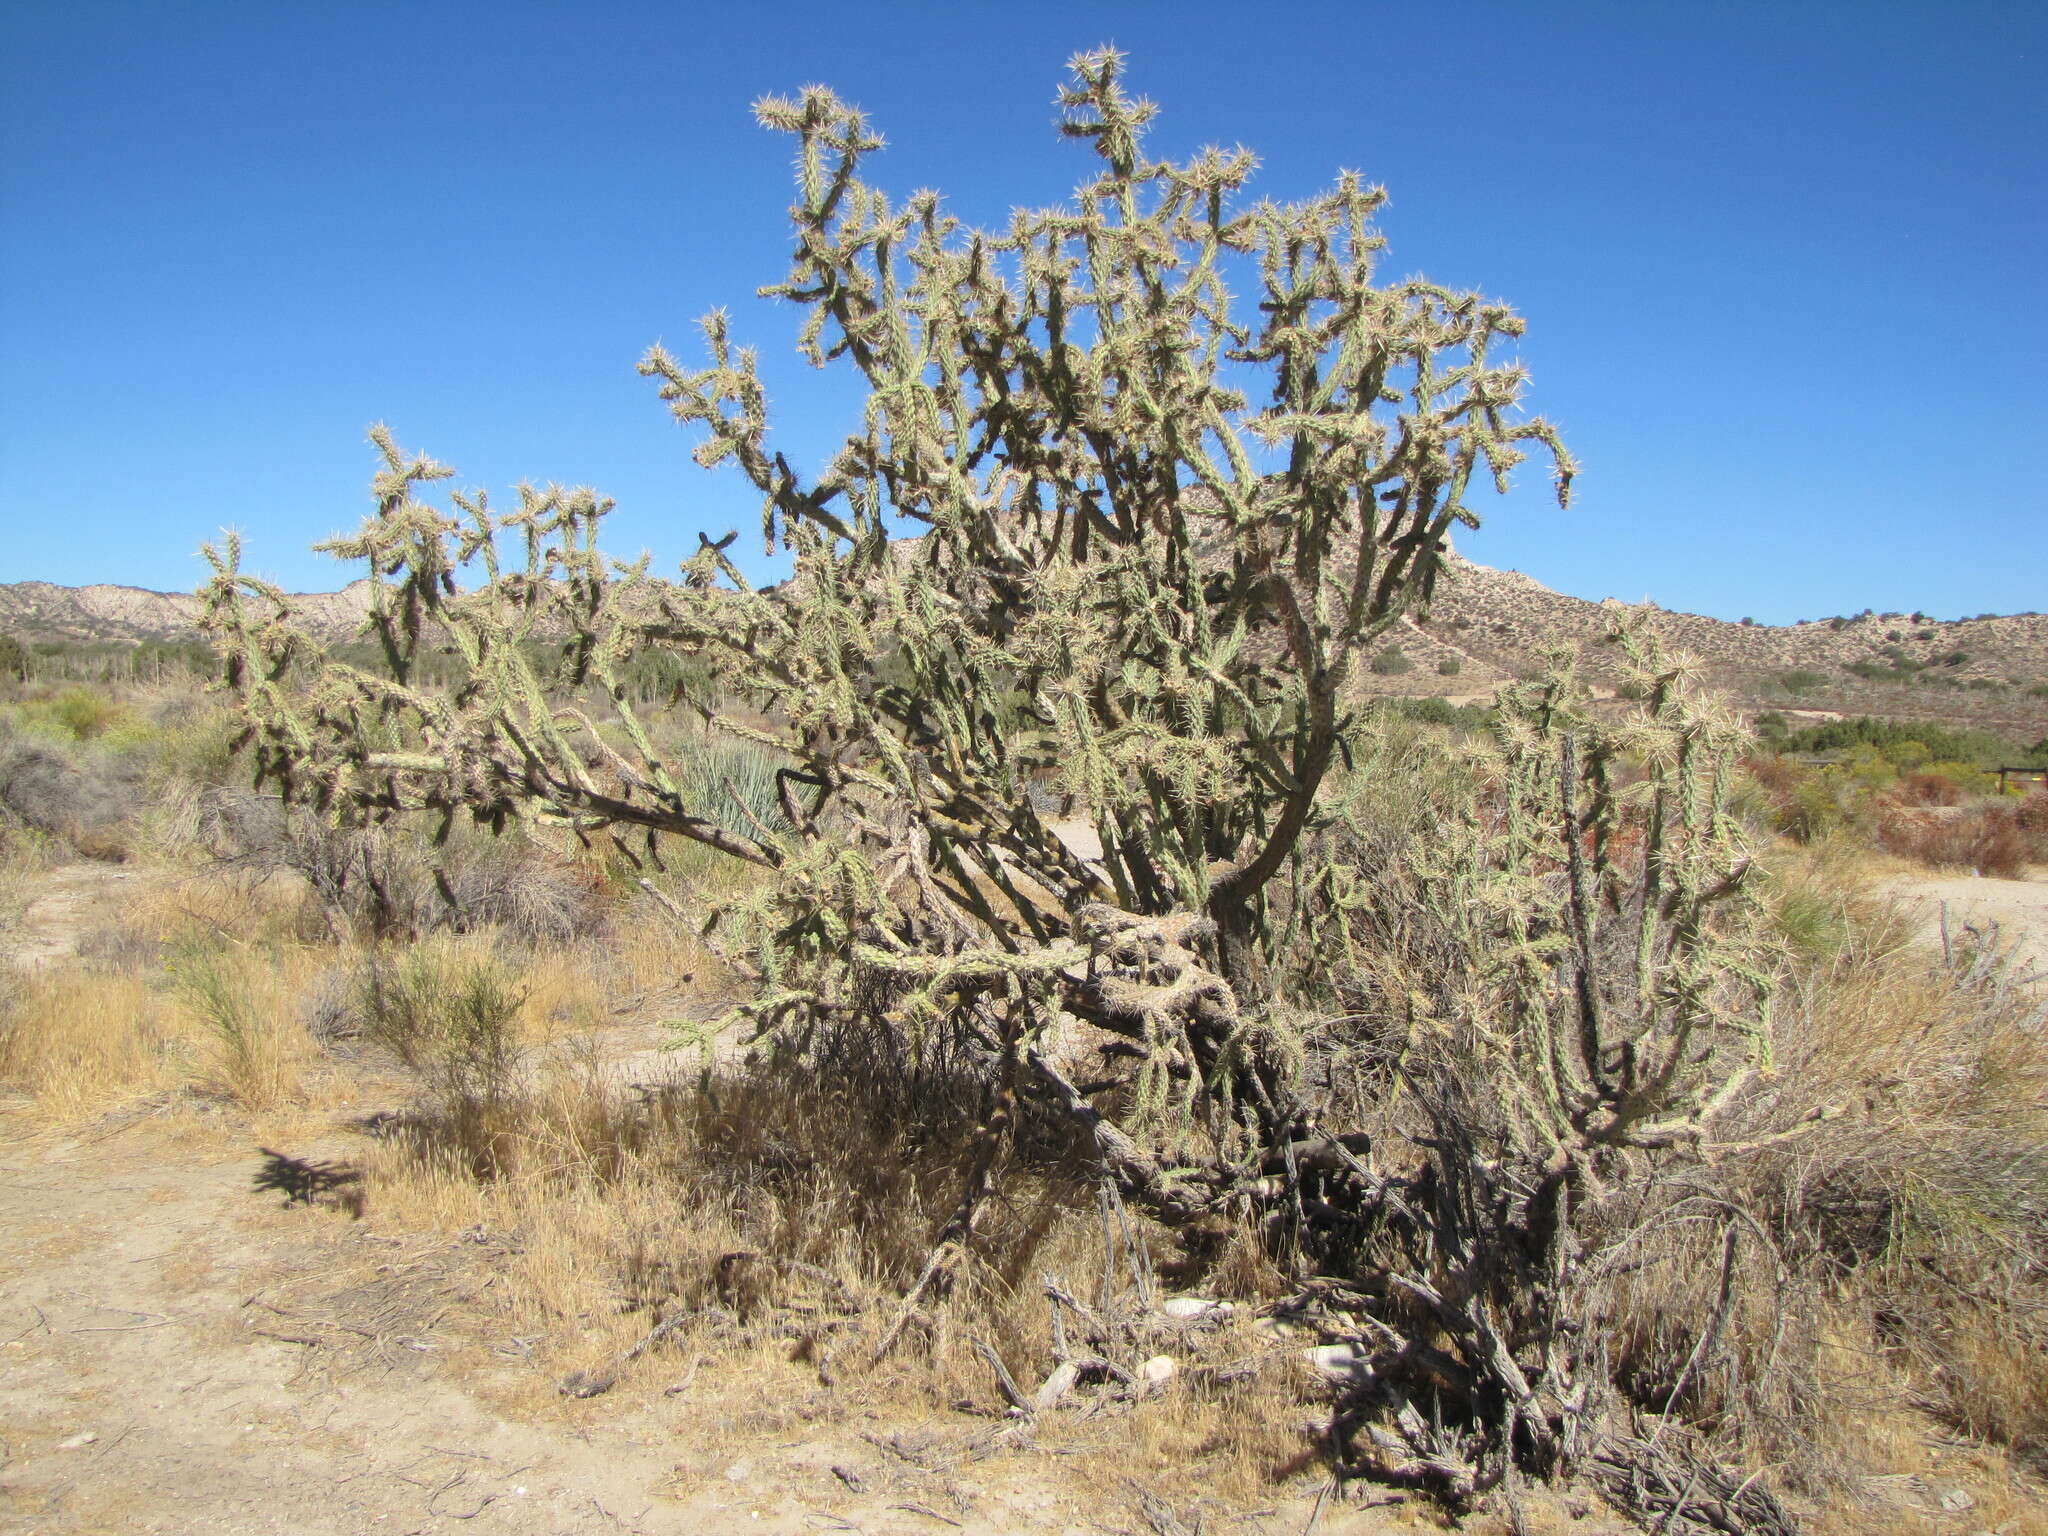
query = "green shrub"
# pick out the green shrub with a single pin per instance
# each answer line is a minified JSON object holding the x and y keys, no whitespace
{"x":1392,"y":662}
{"x":84,"y":712}
{"x":1800,"y":681}
{"x":1907,"y":741}
{"x":448,"y":1015}
{"x":1450,"y":666}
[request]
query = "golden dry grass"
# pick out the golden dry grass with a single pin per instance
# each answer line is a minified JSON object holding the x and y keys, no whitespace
{"x":625,"y":1191}
{"x":81,"y":1043}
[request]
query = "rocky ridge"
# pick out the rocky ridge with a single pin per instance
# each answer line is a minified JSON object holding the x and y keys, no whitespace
{"x":1487,"y":626}
{"x":42,"y":610}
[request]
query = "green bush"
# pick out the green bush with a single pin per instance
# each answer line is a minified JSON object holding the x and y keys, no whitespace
{"x":1800,"y":681}
{"x":84,"y":712}
{"x":1392,"y":662}
{"x":447,"y":1015}
{"x":1908,"y":742}
{"x":1450,"y":666}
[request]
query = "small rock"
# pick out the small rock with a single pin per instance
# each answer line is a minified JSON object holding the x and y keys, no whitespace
{"x":1955,"y":1500}
{"x":1338,"y":1362}
{"x":1157,"y":1372}
{"x":1187,"y":1309}
{"x":77,"y":1441}
{"x":739,"y":1471}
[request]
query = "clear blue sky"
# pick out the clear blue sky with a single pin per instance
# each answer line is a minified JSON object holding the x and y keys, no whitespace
{"x":1784,"y":263}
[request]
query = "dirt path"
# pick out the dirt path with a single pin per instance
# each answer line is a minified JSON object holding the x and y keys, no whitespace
{"x":60,"y":912}
{"x":181,"y":1353}
{"x":167,"y":1365}
{"x":2018,"y":907}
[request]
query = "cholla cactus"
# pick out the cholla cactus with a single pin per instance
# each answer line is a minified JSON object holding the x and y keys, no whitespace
{"x":1132,"y":575}
{"x":1585,"y":970}
{"x":1157,"y":528}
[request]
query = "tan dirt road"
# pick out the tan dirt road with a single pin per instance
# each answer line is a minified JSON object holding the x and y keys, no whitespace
{"x":2018,"y":907}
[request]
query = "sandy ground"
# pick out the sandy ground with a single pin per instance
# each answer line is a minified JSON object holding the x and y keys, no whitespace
{"x":180,"y":1352}
{"x":2019,"y":908}
{"x":182,"y":1356}
{"x":60,"y":910}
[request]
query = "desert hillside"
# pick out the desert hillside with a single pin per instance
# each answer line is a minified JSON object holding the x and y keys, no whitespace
{"x":1486,"y":626}
{"x":1990,"y":672}
{"x":42,"y":610}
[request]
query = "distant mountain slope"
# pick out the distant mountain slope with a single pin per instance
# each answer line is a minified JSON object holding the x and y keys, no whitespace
{"x":42,"y":610}
{"x":1487,"y":626}
{"x":1990,"y":672}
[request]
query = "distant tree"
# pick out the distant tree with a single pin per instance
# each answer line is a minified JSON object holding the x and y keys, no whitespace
{"x":13,"y":659}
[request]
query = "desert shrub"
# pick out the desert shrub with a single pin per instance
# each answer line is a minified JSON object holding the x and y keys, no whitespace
{"x":328,"y":1009}
{"x":85,"y":805}
{"x":250,"y":1055}
{"x":1449,"y":666}
{"x":192,"y":742}
{"x":1434,"y":711}
{"x":1986,"y":839}
{"x":450,"y":1013}
{"x":1906,"y":742}
{"x":1929,"y":786}
{"x":394,"y":883}
{"x":1805,"y":804}
{"x":528,"y":896}
{"x":1799,"y":681}
{"x":84,"y":713}
{"x":1392,"y":662}
{"x":13,"y":660}
{"x":1921,"y":1202}
{"x":2030,"y":815}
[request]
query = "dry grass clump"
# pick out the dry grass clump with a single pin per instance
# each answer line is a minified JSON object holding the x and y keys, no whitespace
{"x":244,"y":1016}
{"x":84,"y":1040}
{"x":81,"y":1042}
{"x":1891,"y":1251}
{"x":769,"y":1218}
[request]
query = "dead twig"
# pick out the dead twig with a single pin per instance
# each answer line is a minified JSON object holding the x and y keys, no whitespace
{"x":930,"y":1513}
{"x":1007,"y":1383}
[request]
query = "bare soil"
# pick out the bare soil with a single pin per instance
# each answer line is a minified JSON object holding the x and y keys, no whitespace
{"x":183,"y":1351}
{"x":2018,"y":908}
{"x":181,"y":1355}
